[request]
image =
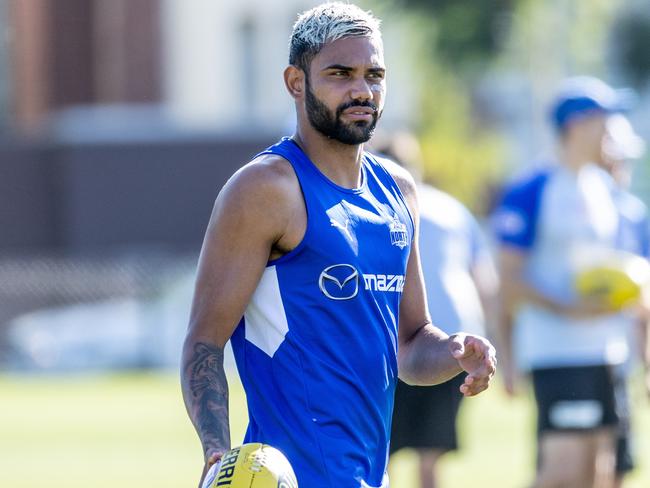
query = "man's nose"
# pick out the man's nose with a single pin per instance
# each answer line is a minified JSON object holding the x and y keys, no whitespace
{"x":361,"y":90}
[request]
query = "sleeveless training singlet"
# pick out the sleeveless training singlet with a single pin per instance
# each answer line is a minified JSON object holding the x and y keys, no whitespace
{"x":316,"y":349}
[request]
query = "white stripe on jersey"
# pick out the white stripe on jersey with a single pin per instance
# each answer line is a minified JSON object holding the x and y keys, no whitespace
{"x":265,"y":318}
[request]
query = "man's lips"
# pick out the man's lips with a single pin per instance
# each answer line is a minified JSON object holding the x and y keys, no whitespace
{"x":359,"y":113}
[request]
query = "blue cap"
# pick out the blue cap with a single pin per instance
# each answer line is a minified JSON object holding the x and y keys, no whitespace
{"x":584,"y":95}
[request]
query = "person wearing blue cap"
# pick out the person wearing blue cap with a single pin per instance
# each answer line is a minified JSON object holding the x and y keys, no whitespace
{"x":583,"y":96}
{"x":548,"y":224}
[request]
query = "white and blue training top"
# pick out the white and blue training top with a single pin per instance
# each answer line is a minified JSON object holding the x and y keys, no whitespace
{"x":558,"y":217}
{"x":316,"y":349}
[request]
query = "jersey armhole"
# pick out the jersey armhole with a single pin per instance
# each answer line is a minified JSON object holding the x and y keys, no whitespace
{"x":296,"y":250}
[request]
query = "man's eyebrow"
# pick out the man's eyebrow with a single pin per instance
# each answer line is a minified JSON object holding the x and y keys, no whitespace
{"x":374,"y":69}
{"x":339,"y":67}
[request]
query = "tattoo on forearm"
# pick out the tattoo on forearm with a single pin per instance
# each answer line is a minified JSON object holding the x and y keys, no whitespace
{"x":206,"y":395}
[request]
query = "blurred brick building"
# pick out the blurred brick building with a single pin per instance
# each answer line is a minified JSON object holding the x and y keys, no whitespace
{"x":120,"y":120}
{"x":111,"y":153}
{"x":110,"y":133}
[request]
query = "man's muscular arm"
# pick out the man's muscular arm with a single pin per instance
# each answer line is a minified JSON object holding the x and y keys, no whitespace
{"x":249,"y":223}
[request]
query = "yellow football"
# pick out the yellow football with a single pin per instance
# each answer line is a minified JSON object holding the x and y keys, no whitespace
{"x":252,"y":465}
{"x":619,"y":281}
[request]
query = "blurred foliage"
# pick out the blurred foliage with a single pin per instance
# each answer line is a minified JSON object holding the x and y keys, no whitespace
{"x":587,"y":24}
{"x":631,"y":40}
{"x":459,"y":156}
{"x":464,"y":33}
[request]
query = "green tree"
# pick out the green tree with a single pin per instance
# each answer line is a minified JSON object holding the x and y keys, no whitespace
{"x":459,"y":155}
{"x":466,"y":33}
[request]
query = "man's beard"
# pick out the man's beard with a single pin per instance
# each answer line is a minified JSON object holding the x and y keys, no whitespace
{"x":330,"y":125}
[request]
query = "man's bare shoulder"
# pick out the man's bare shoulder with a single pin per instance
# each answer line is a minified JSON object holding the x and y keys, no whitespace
{"x":266,"y":173}
{"x":268,"y":180}
{"x":260,"y":199}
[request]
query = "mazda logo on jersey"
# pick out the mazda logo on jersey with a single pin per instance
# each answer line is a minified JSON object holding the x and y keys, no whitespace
{"x":339,"y":282}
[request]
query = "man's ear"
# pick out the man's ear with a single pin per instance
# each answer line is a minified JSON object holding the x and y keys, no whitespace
{"x":294,"y":80}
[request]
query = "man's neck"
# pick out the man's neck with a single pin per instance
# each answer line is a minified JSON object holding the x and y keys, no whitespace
{"x":340,"y":162}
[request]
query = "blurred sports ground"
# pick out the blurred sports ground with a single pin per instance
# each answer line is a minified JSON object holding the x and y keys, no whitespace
{"x":130,"y":430}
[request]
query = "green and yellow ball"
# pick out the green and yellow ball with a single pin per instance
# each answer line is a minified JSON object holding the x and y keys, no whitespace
{"x":619,"y":282}
{"x":252,"y":465}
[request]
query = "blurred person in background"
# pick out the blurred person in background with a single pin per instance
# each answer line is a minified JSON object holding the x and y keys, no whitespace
{"x":621,"y":147}
{"x":573,"y":346}
{"x":461,"y":286}
{"x":309,"y":261}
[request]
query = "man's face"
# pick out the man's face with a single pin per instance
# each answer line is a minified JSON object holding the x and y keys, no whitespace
{"x":589,"y":132}
{"x":345,"y":89}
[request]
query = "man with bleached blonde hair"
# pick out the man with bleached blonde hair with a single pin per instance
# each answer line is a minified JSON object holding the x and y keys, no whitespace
{"x":308,"y":263}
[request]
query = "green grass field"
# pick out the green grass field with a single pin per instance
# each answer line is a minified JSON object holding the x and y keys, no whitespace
{"x":131,"y":431}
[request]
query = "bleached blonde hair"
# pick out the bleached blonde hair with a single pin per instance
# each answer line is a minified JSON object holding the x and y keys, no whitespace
{"x":327,"y":23}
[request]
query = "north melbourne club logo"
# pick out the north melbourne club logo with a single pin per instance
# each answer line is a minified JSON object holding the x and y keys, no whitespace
{"x":398,"y":233}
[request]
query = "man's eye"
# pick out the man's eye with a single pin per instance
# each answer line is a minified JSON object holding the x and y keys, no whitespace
{"x":340,"y":73}
{"x":376,"y":76}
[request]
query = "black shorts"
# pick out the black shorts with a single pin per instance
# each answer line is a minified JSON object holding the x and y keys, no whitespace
{"x":425,"y":416}
{"x":577,"y":398}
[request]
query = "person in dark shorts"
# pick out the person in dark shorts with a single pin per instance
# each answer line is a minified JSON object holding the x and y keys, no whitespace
{"x":550,"y":224}
{"x":461,"y":283}
{"x":425,"y":420}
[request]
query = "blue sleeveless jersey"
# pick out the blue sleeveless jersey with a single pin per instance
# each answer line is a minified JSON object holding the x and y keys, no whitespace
{"x":316,"y":349}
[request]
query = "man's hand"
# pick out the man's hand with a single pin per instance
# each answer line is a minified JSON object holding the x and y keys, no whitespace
{"x":477,"y":357}
{"x":212,"y":459}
